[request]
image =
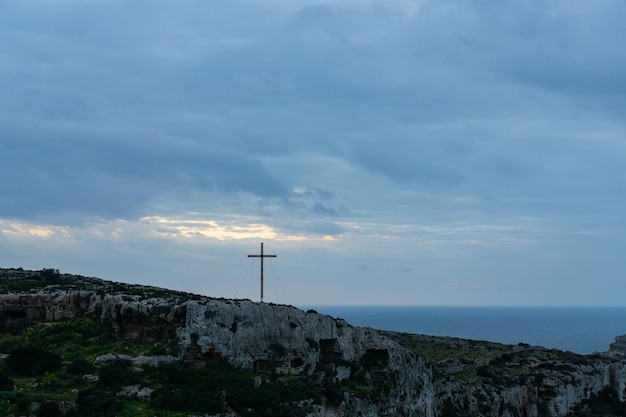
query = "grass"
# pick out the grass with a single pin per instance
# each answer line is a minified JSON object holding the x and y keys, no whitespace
{"x":491,"y":364}
{"x":178,"y":390}
{"x":20,"y":281}
{"x":79,"y":342}
{"x":84,"y":339}
{"x":181,"y":391}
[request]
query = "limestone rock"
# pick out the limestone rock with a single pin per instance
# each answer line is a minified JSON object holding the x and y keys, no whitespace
{"x":281,"y":339}
{"x":137,"y":361}
{"x":136,"y":392}
{"x":618,"y":348}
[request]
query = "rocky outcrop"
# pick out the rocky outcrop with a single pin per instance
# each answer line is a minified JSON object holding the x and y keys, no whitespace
{"x":260,"y":337}
{"x":286,"y":340}
{"x":617,"y":349}
{"x":384,"y":379}
{"x":130,"y":316}
{"x":553,"y":393}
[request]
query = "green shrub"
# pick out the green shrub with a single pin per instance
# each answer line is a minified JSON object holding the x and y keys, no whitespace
{"x":331,"y":390}
{"x":16,"y":326}
{"x":8,"y":343}
{"x":48,"y":409}
{"x":95,"y":402}
{"x":6,"y":383}
{"x":62,"y":333}
{"x":116,"y":375}
{"x":219,"y":386}
{"x":32,"y":361}
{"x":450,"y":410}
{"x":50,"y":276}
{"x":20,"y":402}
{"x":80,"y":367}
{"x":485,"y":372}
{"x":190,"y":390}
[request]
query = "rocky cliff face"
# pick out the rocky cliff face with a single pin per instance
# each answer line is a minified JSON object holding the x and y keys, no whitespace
{"x":384,"y":378}
{"x":285,"y":340}
{"x":618,"y":348}
{"x":554,"y":393}
{"x":261,"y":337}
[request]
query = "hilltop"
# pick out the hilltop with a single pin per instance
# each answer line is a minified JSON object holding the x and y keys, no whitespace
{"x":81,"y":346}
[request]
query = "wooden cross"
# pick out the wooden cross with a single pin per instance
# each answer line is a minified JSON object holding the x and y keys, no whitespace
{"x":261,"y":256}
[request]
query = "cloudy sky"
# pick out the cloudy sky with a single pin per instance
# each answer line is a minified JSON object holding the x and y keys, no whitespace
{"x":389,"y":152}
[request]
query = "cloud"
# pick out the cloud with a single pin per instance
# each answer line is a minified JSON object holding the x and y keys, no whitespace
{"x":409,"y":159}
{"x":468,"y":130}
{"x":109,"y":174}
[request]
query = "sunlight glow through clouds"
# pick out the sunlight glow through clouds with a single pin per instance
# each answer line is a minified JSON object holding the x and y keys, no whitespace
{"x":209,"y":228}
{"x":228,"y":230}
{"x":251,"y":228}
{"x":160,"y":226}
{"x":30,"y":230}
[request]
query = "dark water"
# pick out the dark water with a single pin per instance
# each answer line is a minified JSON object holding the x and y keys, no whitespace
{"x":578,"y":329}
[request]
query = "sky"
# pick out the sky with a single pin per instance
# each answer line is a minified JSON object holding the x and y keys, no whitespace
{"x":398,"y":152}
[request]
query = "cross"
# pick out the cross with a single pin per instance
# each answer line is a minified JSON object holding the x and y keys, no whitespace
{"x":261,"y":256}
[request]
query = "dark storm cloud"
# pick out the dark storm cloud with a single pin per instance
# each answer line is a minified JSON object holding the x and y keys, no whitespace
{"x":465,"y":141}
{"x":117,"y":173}
{"x":110,"y":106}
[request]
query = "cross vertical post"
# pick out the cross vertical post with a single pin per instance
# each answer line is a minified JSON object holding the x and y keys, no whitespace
{"x":262,"y":256}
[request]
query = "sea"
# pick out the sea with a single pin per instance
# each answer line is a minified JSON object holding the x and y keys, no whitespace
{"x":583,"y":330}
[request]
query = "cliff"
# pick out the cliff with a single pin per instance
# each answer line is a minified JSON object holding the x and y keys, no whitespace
{"x":617,"y":349}
{"x":366,"y":372}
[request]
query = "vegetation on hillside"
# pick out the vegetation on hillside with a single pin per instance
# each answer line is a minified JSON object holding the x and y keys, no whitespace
{"x":50,"y":368}
{"x":495,"y":366}
{"x":19,"y":280}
